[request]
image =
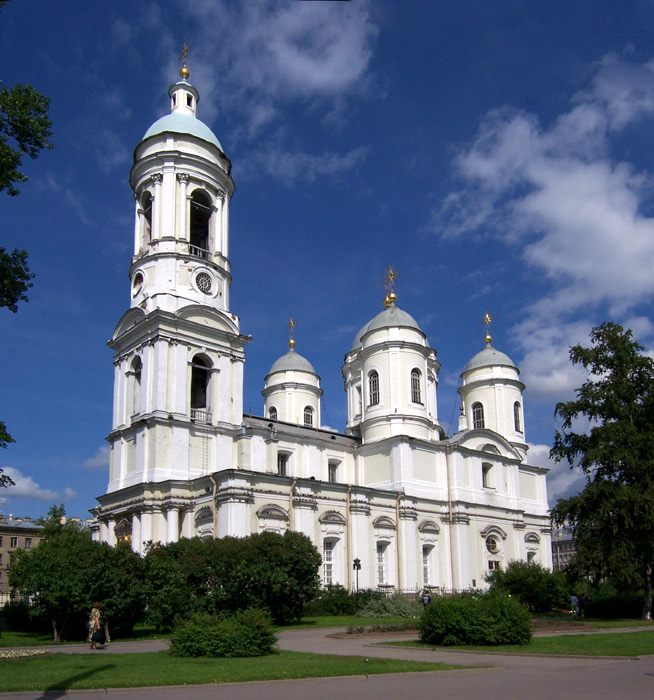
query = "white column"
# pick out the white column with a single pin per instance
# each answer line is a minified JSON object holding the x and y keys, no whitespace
{"x":156,"y":210}
{"x":136,"y":533}
{"x":111,"y":533}
{"x":103,"y":531}
{"x":172,"y":525}
{"x":146,"y":531}
{"x":188,"y":529}
{"x":182,"y":233}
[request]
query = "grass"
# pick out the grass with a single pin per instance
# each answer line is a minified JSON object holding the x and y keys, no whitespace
{"x":342,"y":621}
{"x":80,"y":672}
{"x":12,"y":638}
{"x":618,"y":644}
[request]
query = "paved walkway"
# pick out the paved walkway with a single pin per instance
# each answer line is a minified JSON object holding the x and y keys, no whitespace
{"x":505,"y":676}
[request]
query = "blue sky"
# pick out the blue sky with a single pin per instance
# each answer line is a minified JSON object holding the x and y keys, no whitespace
{"x":497,"y":154}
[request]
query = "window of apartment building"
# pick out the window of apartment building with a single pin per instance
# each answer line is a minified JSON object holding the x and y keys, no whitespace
{"x":14,"y":542}
{"x":28,"y":543}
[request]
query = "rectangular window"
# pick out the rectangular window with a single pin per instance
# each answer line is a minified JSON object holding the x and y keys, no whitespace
{"x":28,"y":543}
{"x":0,"y":540}
{"x":332,"y":472}
{"x":493,"y":565}
{"x":486,"y":480}
{"x":426,"y":565}
{"x":14,"y":542}
{"x":282,"y":463}
{"x":381,"y":563}
{"x":0,"y":558}
{"x":328,"y":563}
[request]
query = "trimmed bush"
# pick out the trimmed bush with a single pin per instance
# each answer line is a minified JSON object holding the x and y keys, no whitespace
{"x":396,"y":605}
{"x":247,"y":633}
{"x":337,"y":600}
{"x":479,"y":619}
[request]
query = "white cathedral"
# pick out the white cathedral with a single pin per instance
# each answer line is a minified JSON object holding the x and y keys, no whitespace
{"x":390,"y":503}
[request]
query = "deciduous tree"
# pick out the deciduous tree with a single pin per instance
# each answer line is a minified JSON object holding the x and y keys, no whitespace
{"x":607,"y":431}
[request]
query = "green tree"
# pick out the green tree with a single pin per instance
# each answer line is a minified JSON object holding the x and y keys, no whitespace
{"x":67,"y":572}
{"x":607,"y":431}
{"x":266,"y":571}
{"x":536,"y":587}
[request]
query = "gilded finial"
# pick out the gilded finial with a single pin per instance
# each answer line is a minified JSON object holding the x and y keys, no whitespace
{"x":184,"y":71}
{"x":291,"y":326}
{"x":487,"y":321}
{"x":388,"y":282}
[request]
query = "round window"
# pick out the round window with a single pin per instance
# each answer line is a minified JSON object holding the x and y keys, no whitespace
{"x":137,"y":283}
{"x":203,"y":280}
{"x":491,"y":545}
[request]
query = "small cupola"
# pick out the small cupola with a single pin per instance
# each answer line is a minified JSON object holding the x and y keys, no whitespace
{"x":184,"y":97}
{"x":292,"y":389}
{"x":491,"y":394}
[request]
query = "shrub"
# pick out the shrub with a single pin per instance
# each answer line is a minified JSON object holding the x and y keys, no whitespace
{"x":337,"y":600}
{"x":608,"y":603}
{"x":477,"y":619}
{"x":539,"y":589}
{"x":16,"y":616}
{"x":396,"y":605}
{"x":247,"y":633}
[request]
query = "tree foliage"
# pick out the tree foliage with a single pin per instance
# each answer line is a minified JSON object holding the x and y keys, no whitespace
{"x":24,"y":131}
{"x":265,"y":571}
{"x":15,"y":278}
{"x":607,"y":431}
{"x":536,"y":587}
{"x":67,"y":572}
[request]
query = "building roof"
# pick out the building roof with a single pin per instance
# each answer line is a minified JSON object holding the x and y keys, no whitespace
{"x":183,"y":124}
{"x":489,"y":357}
{"x":292,"y":361}
{"x":390,"y":317}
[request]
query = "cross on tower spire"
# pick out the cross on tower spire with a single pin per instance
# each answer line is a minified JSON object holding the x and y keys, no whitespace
{"x":389,"y":285}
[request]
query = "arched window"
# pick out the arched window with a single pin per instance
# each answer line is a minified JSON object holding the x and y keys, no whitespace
{"x":200,"y":375}
{"x":478,"y":416}
{"x":415,"y":386}
{"x":137,"y":367}
{"x":272,"y":413}
{"x":199,"y":224}
{"x":308,"y":417}
{"x":516,"y":417}
{"x":373,"y":388}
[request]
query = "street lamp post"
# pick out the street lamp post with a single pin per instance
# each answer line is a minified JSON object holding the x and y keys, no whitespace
{"x":356,"y":565}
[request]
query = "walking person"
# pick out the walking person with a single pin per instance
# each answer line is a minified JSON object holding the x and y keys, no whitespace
{"x":96,"y":626}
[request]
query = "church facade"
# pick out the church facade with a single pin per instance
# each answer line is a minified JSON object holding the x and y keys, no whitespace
{"x":390,"y":503}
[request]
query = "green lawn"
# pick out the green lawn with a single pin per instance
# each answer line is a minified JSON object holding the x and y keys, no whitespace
{"x":344,"y":621}
{"x":77,"y":671}
{"x":623,"y":644}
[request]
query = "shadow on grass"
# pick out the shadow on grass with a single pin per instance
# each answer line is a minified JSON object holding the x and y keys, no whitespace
{"x":58,"y":689}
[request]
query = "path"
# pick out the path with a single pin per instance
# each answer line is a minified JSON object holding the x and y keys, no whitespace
{"x":507,"y":676}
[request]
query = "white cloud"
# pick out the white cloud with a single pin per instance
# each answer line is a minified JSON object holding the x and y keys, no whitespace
{"x":576,"y":214}
{"x":100,"y":459}
{"x":26,"y":487}
{"x":254,"y":61}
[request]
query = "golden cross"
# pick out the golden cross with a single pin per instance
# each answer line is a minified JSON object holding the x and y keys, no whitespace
{"x":487,"y":321}
{"x":184,"y":54}
{"x":387,"y":281}
{"x":291,"y":325}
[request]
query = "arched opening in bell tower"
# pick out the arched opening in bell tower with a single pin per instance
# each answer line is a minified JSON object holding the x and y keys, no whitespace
{"x":146,"y":222}
{"x":199,"y":224}
{"x":200,"y":376}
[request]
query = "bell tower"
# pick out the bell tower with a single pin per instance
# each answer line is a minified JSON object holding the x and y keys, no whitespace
{"x":178,"y":350}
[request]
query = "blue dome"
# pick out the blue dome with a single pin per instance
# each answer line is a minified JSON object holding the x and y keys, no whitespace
{"x":183,"y":124}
